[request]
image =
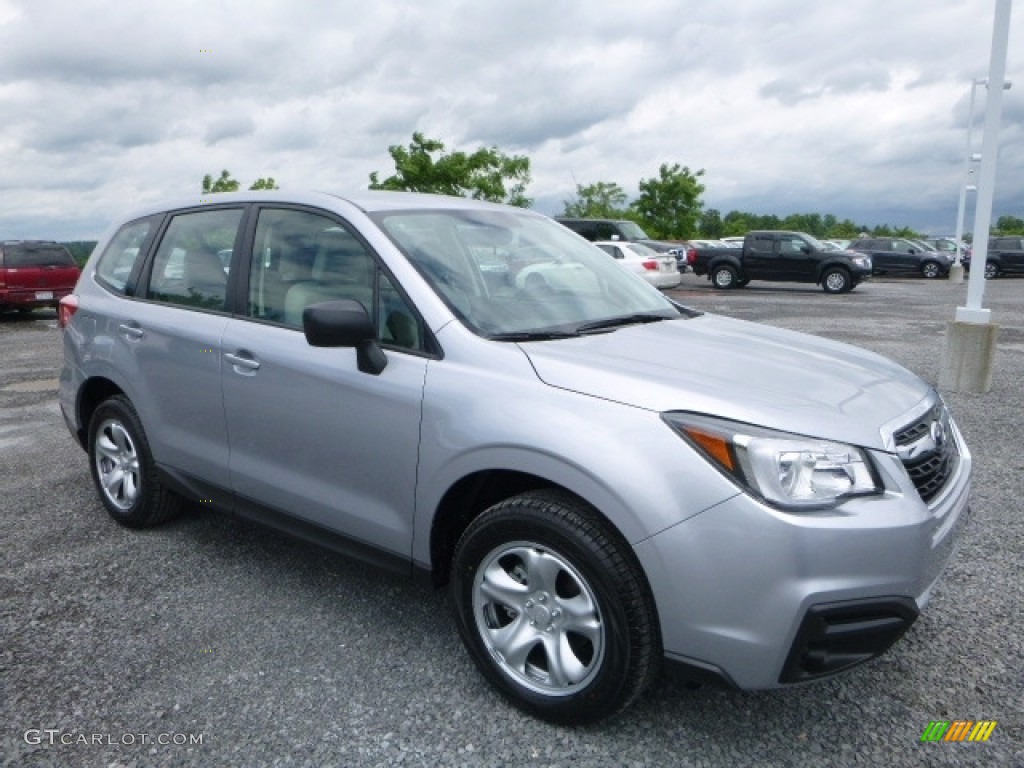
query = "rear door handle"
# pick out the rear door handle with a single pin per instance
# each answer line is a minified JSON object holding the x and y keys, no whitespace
{"x":242,"y":361}
{"x":131,"y":330}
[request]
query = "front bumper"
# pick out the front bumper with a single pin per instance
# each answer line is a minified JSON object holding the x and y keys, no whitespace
{"x":762,"y":598}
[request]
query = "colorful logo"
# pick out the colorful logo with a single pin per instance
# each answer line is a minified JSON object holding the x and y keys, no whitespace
{"x":958,"y":730}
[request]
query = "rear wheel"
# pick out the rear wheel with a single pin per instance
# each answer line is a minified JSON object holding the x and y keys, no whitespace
{"x":991,"y":270}
{"x":554,"y":609}
{"x":836,"y":280}
{"x":930,"y":269}
{"x":724,"y":277}
{"x":123,"y":468}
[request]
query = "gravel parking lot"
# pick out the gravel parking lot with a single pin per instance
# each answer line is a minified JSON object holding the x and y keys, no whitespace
{"x":210,"y":641}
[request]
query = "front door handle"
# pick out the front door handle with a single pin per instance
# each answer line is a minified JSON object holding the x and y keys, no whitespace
{"x":242,"y":362}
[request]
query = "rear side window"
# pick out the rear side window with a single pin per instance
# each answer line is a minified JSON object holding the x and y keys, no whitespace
{"x":193,"y":260}
{"x":117,"y":264}
{"x":36,"y":255}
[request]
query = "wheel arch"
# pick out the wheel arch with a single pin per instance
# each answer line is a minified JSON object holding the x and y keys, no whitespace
{"x":469,"y":497}
{"x":90,"y":395}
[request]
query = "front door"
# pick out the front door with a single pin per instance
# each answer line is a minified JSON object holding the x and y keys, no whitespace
{"x":311,"y":435}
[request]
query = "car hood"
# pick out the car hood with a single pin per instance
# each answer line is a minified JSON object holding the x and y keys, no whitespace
{"x":738,"y":370}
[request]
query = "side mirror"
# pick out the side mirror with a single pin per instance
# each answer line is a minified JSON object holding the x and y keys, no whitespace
{"x":805,"y":249}
{"x":345,"y":323}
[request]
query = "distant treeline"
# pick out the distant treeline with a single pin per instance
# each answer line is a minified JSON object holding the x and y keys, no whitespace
{"x":80,"y":249}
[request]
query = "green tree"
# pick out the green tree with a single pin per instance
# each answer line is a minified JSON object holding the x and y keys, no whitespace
{"x":486,"y":174}
{"x":224,"y":184}
{"x":227,"y":184}
{"x":1009,"y":225}
{"x":710,"y":224}
{"x":670,"y":204}
{"x":267,"y":183}
{"x":601,"y":200}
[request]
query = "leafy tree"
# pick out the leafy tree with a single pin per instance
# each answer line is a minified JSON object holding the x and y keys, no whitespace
{"x":1009,"y":225}
{"x":710,"y":224}
{"x":224,"y":184}
{"x":486,"y":174}
{"x":670,"y":204}
{"x":267,"y":183}
{"x":601,"y":200}
{"x":227,"y":184}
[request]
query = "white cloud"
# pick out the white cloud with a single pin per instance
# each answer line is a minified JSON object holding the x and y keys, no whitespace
{"x":856,"y":109}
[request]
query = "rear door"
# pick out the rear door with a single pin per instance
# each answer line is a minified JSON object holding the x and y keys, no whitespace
{"x":310,"y":434}
{"x":174,"y":334}
{"x":759,"y":258}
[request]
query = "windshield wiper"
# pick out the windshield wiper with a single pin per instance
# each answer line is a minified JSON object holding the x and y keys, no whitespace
{"x":615,"y":322}
{"x":532,"y":335}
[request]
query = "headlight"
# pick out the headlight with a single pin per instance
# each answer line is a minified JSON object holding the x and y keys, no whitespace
{"x":785,"y":470}
{"x":863,"y":261}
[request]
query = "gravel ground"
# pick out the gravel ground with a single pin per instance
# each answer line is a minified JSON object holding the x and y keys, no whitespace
{"x":254,"y":649}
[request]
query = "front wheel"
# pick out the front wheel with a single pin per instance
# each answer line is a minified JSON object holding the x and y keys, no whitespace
{"x":836,"y":280}
{"x":930,"y":270}
{"x":123,"y":469}
{"x":554,"y":608}
{"x":724,"y":277}
{"x":991,"y":270}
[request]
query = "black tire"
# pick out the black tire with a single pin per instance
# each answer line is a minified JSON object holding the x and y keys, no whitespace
{"x":724,"y":277}
{"x":123,"y":469}
{"x":931,"y":270}
{"x":548,"y":550}
{"x":991,"y":270}
{"x":836,"y":280}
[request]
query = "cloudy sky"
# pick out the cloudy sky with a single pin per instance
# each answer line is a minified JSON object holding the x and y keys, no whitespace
{"x":857,"y":109}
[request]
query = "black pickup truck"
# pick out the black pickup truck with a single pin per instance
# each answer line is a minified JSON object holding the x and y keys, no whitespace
{"x":781,"y":256}
{"x":1005,"y":257}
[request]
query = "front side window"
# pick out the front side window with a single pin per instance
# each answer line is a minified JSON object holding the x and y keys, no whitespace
{"x":187,"y":269}
{"x":118,"y":261}
{"x":302,"y":258}
{"x":510,"y":274}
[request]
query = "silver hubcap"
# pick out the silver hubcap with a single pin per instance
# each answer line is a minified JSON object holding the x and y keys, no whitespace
{"x":835,"y":281}
{"x":931,"y":270}
{"x":991,"y":271}
{"x":723,"y":278}
{"x":117,"y":464}
{"x":538,"y":618}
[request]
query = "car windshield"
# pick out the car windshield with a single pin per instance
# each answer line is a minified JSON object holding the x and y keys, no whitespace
{"x":642,"y":250}
{"x":515,"y":275}
{"x":814,"y":242}
{"x":633,"y":231}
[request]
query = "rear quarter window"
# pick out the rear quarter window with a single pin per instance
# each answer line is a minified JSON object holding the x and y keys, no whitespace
{"x":116,"y":266}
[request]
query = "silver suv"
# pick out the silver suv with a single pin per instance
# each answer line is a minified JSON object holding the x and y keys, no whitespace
{"x":607,"y":482}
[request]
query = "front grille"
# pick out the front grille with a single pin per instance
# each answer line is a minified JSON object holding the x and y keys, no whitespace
{"x":928,"y":451}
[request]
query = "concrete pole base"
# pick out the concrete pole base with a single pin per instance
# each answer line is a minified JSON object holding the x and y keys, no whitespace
{"x":956,"y":273}
{"x":968,"y":357}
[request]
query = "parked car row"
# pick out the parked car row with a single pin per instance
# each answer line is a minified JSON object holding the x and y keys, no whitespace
{"x":898,"y":255}
{"x":1005,"y":257}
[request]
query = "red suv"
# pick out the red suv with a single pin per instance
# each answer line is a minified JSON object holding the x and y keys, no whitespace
{"x":34,"y":273}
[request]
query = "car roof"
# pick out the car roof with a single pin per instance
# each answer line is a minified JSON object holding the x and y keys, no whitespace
{"x":367,"y":200}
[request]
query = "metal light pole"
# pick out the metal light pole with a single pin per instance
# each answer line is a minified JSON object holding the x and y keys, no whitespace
{"x":957,"y":274}
{"x":971,"y":336}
